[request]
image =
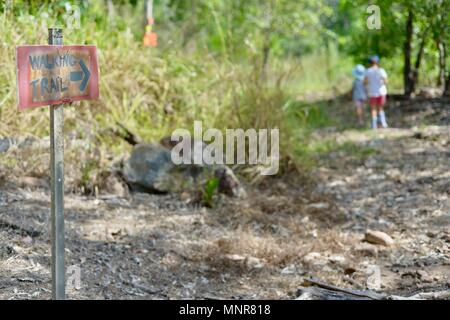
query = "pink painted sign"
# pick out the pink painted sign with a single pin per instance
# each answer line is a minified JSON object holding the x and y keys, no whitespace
{"x":52,"y":74}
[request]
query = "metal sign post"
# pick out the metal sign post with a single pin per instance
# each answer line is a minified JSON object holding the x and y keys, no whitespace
{"x":53,"y":75}
{"x":55,"y":37}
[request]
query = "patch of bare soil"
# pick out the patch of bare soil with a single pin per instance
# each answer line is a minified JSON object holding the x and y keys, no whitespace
{"x":142,"y":246}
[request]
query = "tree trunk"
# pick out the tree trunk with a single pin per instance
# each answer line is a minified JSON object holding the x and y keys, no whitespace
{"x":266,"y":55}
{"x":407,"y":71}
{"x":415,"y":73}
{"x":110,"y":11}
{"x":267,"y":34}
{"x":442,"y":63}
{"x":447,"y":86}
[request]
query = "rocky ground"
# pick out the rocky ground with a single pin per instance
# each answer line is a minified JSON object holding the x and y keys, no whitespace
{"x":373,"y":214}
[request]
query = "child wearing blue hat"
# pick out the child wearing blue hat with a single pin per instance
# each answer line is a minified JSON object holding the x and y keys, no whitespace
{"x":359,"y":95}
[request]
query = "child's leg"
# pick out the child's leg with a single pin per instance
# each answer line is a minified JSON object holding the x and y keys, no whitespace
{"x":373,"y":111}
{"x":360,"y":111}
{"x":381,"y":112}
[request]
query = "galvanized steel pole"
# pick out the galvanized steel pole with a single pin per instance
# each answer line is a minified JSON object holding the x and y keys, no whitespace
{"x":55,"y":37}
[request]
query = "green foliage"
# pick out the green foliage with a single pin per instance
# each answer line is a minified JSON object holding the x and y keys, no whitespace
{"x":210,"y":191}
{"x":430,"y":18}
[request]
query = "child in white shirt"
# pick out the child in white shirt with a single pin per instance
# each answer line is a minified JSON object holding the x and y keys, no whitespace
{"x":376,"y":80}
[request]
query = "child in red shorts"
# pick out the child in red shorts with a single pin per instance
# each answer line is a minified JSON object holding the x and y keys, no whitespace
{"x":376,"y":80}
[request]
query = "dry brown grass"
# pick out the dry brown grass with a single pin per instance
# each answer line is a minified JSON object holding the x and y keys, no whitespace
{"x":269,"y":226}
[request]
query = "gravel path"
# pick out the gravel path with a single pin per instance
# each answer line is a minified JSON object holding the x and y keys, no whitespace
{"x":143,"y":246}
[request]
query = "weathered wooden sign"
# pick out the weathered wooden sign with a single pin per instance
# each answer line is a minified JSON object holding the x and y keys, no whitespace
{"x":56,"y":74}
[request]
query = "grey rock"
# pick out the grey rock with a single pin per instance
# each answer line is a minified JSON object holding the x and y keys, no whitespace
{"x":228,"y":183}
{"x":148,"y":165}
{"x":5,"y":144}
{"x":150,"y":168}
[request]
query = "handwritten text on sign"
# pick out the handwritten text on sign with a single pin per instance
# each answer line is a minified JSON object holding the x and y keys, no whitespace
{"x":52,"y":74}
